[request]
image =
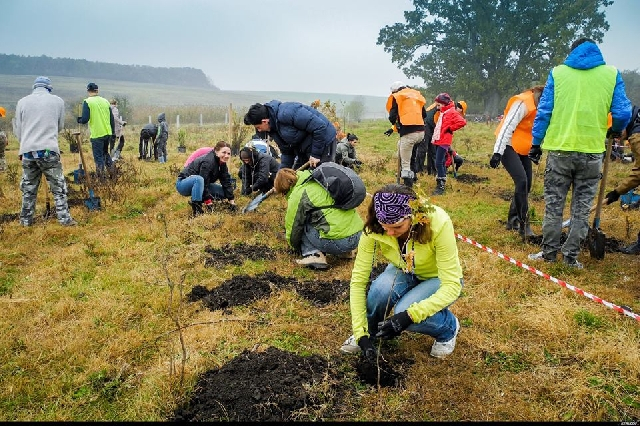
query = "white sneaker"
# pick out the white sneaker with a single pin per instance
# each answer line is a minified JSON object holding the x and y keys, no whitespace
{"x":442,"y":349}
{"x":350,"y":346}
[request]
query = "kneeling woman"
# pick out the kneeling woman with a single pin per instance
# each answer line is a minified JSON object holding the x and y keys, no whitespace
{"x":198,"y":177}
{"x":311,"y":229}
{"x":422,"y":279}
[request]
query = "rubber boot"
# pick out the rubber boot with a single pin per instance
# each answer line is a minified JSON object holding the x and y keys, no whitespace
{"x":196,"y":207}
{"x":525,"y":229}
{"x":116,"y":155}
{"x":633,"y":248}
{"x":408,"y":182}
{"x":440,"y":186}
{"x":513,"y":222}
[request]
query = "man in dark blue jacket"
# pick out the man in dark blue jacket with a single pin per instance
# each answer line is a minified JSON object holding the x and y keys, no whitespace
{"x":301,"y":132}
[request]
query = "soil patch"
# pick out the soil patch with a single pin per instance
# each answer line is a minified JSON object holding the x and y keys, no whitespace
{"x":237,"y":254}
{"x":471,"y":178}
{"x":275,"y":385}
{"x":611,"y":245}
{"x":245,"y":289}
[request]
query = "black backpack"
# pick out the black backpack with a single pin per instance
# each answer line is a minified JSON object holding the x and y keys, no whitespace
{"x":343,"y":184}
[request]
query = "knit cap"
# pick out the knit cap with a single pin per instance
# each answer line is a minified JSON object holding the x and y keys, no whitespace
{"x":443,"y":98}
{"x":43,"y":82}
{"x":92,"y":87}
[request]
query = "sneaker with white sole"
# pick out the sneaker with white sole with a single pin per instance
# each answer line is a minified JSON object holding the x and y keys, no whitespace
{"x":540,"y":256}
{"x":350,"y":346}
{"x":573,"y":262}
{"x":314,"y":261}
{"x":442,"y":349}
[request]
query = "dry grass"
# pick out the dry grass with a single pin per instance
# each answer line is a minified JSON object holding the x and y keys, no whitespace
{"x":94,"y":325}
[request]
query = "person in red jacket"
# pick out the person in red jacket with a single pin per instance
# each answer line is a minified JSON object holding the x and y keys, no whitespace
{"x":448,"y":122}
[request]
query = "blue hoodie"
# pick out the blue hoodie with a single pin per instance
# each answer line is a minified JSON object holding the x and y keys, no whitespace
{"x":586,"y":56}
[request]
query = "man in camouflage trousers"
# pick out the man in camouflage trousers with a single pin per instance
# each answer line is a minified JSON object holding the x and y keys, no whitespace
{"x":39,"y":119}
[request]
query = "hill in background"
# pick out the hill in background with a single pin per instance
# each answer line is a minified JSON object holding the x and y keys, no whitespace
{"x":73,"y":90}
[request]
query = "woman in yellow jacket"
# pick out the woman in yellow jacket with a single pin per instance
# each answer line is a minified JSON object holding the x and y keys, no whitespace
{"x":422,"y":279}
{"x":512,"y":147}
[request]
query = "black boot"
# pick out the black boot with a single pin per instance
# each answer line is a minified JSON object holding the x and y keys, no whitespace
{"x":408,"y":182}
{"x":440,"y":186}
{"x":513,"y":221}
{"x":524,"y":229}
{"x":633,"y":248}
{"x":196,"y":206}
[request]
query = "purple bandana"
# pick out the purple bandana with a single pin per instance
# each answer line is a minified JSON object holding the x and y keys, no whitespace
{"x":391,"y":208}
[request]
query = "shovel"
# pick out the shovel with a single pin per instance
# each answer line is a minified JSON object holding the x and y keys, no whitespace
{"x":595,"y":236}
{"x":260,"y":198}
{"x":93,"y":202}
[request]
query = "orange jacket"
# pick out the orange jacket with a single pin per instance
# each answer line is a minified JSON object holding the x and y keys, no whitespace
{"x":521,"y":138}
{"x":410,"y":103}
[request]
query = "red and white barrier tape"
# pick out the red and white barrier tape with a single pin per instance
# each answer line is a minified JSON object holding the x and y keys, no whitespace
{"x":550,"y":278}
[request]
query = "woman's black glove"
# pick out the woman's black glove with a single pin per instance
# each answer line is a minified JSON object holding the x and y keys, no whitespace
{"x":394,"y":325}
{"x":368,"y":350}
{"x":495,"y":160}
{"x":535,"y":153}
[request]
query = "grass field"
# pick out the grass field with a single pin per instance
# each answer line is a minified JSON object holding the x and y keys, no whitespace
{"x":96,"y":325}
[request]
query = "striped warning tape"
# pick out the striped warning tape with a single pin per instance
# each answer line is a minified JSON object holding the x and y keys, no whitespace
{"x":550,"y":278}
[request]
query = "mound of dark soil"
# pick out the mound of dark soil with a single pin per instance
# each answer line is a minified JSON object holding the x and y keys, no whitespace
{"x":245,"y":289}
{"x":273,"y":385}
{"x":611,"y":245}
{"x":237,"y":254}
{"x":471,"y":178}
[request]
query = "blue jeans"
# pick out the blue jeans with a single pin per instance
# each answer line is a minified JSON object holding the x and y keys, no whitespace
{"x":194,"y":185}
{"x":564,"y":170}
{"x":396,"y":289}
{"x":191,"y":185}
{"x":313,"y":243}
{"x":100,"y":150}
{"x":441,"y":159}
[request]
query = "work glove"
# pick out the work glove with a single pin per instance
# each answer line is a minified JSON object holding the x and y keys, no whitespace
{"x":124,"y":123}
{"x":613,"y":135}
{"x":495,"y":160}
{"x":611,"y":197}
{"x":394,"y":325}
{"x":535,"y":153}
{"x":368,"y":350}
{"x":388,"y":132}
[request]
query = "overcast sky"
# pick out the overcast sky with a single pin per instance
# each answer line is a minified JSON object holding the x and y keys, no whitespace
{"x":326,"y":46}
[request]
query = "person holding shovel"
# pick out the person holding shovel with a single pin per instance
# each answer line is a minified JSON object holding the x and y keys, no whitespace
{"x":423,"y":277}
{"x":632,"y":133}
{"x":572,"y":120}
{"x":310,"y":229}
{"x":513,"y":142}
{"x":39,"y":119}
{"x":198,"y":179}
{"x":96,"y":111}
{"x":301,"y":132}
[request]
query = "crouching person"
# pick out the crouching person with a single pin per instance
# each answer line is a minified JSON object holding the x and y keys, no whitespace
{"x":257,"y":171}
{"x":422,"y":280}
{"x":198,"y":179}
{"x":311,"y":229}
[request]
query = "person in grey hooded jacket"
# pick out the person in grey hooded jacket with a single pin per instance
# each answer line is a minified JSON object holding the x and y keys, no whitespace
{"x":161,"y":139}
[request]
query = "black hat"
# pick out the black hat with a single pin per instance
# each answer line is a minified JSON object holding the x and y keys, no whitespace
{"x":351,"y":137}
{"x":92,"y":87}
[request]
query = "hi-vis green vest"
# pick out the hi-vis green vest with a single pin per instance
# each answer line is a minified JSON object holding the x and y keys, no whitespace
{"x":100,"y":116}
{"x":581,"y":106}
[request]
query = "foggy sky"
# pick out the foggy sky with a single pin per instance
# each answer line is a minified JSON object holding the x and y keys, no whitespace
{"x":326,"y":46}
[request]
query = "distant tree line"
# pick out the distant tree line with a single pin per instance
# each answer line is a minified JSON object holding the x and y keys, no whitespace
{"x":66,"y":67}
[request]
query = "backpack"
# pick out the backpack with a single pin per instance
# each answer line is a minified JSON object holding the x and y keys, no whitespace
{"x":343,"y":184}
